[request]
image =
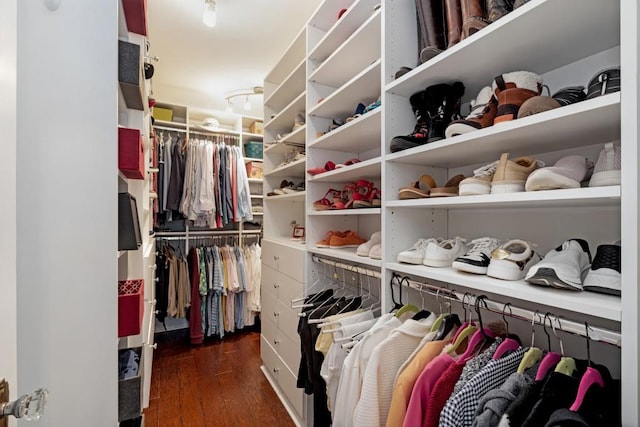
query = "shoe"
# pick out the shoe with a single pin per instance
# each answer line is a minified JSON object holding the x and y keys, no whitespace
{"x":349,"y":240}
{"x":480,"y":182}
{"x":608,"y":166}
{"x":453,"y":13}
{"x":325,"y":203}
{"x":324,"y":243}
{"x":449,"y":189}
{"x":298,"y":121}
{"x":419,"y":189}
{"x":496,"y":9}
{"x":359,"y":111}
{"x":570,"y":95}
{"x":329,"y":166}
{"x":375,"y":104}
{"x":473,"y":17}
{"x":365,"y":248}
{"x":483,"y":111}
{"x":605,"y":275}
{"x":415,"y":254}
{"x":376,"y":251}
{"x":443,"y":254}
{"x":435,"y":108}
{"x":477,"y":259}
{"x":563,"y":267}
{"x":512,"y":90}
{"x":284,"y":184}
{"x":568,"y":172}
{"x":512,"y":260}
{"x":511,"y":175}
{"x":431,"y":30}
{"x":401,"y":72}
{"x":607,"y":81}
{"x":537,"y":104}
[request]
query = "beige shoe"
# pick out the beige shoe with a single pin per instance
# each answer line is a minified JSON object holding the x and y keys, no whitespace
{"x":480,"y":182}
{"x":511,"y":175}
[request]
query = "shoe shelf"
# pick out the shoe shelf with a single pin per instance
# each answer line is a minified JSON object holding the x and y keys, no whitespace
{"x":247,"y":136}
{"x":277,"y":149}
{"x":286,"y":241}
{"x":363,"y":87}
{"x":326,"y":15}
{"x":588,"y":122}
{"x":540,"y":36}
{"x":345,"y":254}
{"x":594,"y":304}
{"x":296,"y":168}
{"x":575,"y":197}
{"x":357,"y":136}
{"x":364,"y":170}
{"x":342,"y":29}
{"x":291,"y":87}
{"x":287,"y":62}
{"x":297,"y":137}
{"x":284,"y":120}
{"x":298,"y":196}
{"x":342,"y":212}
{"x":359,"y":50}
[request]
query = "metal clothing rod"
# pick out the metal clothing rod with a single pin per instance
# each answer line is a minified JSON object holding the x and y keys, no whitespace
{"x":204,"y":233}
{"x":576,"y":328}
{"x":349,"y":267}
{"x":170,"y":129}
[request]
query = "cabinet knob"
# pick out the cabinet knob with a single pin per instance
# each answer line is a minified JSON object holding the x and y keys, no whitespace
{"x":276,"y":286}
{"x":276,"y":258}
{"x":157,"y":279}
{"x":156,"y":312}
{"x":153,"y":267}
{"x":154,"y":345}
{"x":276,"y":342}
{"x":276,"y":314}
{"x":276,"y":370}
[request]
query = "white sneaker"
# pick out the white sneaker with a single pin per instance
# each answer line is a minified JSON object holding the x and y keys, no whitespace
{"x":376,"y":251}
{"x":563,"y":267}
{"x":608,"y":166}
{"x":605,"y":275}
{"x":512,"y":260}
{"x":480,"y":182}
{"x":443,"y":253}
{"x":365,"y":248}
{"x":415,"y":254}
{"x":477,"y":259}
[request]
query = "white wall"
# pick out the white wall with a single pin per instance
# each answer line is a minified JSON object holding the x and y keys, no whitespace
{"x":8,"y":33}
{"x":66,"y":207}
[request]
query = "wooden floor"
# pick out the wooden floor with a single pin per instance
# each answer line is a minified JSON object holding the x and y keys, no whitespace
{"x":217,"y":384}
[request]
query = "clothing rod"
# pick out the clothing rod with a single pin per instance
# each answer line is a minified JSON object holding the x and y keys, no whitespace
{"x":576,"y":328}
{"x":205,"y":233}
{"x":225,"y":133}
{"x":349,"y":267}
{"x":170,"y":129}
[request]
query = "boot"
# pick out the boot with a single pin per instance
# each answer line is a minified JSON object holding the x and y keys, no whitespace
{"x":431,"y":37}
{"x":496,"y":9}
{"x":473,"y":17}
{"x":434,"y":108}
{"x":483,"y":111}
{"x":454,"y":21}
{"x":519,"y":3}
{"x":512,"y":90}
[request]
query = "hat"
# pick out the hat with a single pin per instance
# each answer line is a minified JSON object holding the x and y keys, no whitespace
{"x":536,"y":105}
{"x":211,"y":124}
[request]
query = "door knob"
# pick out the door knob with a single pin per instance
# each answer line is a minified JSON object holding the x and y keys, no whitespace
{"x":29,"y":406}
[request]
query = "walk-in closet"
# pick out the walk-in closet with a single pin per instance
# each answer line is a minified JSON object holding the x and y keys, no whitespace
{"x":315,"y":213}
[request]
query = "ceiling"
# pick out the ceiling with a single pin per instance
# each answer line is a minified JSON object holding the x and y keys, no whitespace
{"x":199,"y":65}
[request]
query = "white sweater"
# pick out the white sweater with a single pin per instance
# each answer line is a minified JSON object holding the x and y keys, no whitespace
{"x":387,"y":358}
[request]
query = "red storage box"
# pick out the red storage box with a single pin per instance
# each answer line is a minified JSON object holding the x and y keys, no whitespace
{"x":130,"y":307}
{"x":130,"y":153}
{"x":135,"y":12}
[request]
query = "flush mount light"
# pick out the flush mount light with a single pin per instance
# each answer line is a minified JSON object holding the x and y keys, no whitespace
{"x":209,"y":16}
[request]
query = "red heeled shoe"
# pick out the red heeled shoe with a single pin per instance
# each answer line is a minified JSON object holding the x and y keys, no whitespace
{"x":346,"y":199}
{"x":324,"y":203}
{"x":362,"y":197}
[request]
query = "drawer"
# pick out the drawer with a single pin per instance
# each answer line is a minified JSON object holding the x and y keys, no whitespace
{"x":270,"y":331}
{"x":287,"y":381}
{"x":284,"y":259}
{"x":288,"y":320}
{"x":270,"y":307}
{"x":269,"y":279}
{"x":270,"y":359}
{"x":289,"y":351}
{"x":289,"y":289}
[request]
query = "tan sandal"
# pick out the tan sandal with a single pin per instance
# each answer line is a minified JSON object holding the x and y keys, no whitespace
{"x":449,"y":189}
{"x":419,"y":189}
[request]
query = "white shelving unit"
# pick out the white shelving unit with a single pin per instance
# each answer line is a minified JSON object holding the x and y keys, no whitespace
{"x":336,"y":81}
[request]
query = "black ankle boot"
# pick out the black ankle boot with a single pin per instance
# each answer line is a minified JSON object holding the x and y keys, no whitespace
{"x":420,"y":131}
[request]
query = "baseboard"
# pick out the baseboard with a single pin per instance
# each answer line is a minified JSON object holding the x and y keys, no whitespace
{"x":282,"y":397}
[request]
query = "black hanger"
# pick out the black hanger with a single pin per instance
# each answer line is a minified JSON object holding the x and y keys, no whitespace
{"x":448,"y":323}
{"x":395,"y":278}
{"x":481,"y":300}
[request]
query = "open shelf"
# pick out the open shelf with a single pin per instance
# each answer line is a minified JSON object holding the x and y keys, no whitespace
{"x":296,"y":168}
{"x":343,"y":63}
{"x":252,"y":159}
{"x":292,"y":85}
{"x":342,"y":212}
{"x":346,"y":254}
{"x":298,"y":196}
{"x":294,"y":53}
{"x":255,"y":180}
{"x":171,"y":125}
{"x":364,"y":87}
{"x":575,"y":197}
{"x":296,"y":137}
{"x":359,"y":135}
{"x":286,"y":241}
{"x":353,"y":18}
{"x":598,"y":305}
{"x":246,"y":137}
{"x":544,"y":22}
{"x":585,"y":123}
{"x":326,"y":15}
{"x":364,"y":170}
{"x":285,"y":119}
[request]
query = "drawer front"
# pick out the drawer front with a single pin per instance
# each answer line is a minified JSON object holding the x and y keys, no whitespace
{"x":287,"y":381}
{"x":269,"y":280}
{"x":270,"y":252}
{"x":285,"y":259}
{"x":270,"y":332}
{"x":288,"y":320}
{"x":270,"y":359}
{"x":270,"y":307}
{"x":289,"y":289}
{"x":289,"y":350}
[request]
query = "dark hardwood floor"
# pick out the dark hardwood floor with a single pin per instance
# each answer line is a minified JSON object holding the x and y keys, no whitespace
{"x":217,"y":384}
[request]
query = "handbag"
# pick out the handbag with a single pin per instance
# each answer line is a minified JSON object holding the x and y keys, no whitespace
{"x":607,"y":81}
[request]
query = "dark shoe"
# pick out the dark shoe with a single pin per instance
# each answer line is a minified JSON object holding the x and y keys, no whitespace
{"x":496,"y":9}
{"x":570,"y":95}
{"x":401,"y":72}
{"x":473,"y":17}
{"x":431,"y":30}
{"x":454,"y":21}
{"x":448,"y":110}
{"x":518,"y":3}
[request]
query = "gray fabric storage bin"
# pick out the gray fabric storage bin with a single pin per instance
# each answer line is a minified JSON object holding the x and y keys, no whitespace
{"x":130,"y":393}
{"x":130,"y":74}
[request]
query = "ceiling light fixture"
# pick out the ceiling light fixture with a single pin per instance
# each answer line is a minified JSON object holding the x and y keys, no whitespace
{"x":209,"y":16}
{"x":257,"y":90}
{"x":229,"y":108}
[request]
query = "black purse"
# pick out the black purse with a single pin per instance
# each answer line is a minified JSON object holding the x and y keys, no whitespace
{"x":607,"y":81}
{"x":129,"y":237}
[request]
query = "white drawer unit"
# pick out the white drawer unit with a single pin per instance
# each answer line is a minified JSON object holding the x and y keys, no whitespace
{"x":285,"y":259}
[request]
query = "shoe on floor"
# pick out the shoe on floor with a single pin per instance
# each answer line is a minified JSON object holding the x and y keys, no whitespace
{"x":483,"y":111}
{"x":605,"y":276}
{"x":365,"y":248}
{"x":568,"y":172}
{"x":511,"y":175}
{"x":512,"y":260}
{"x":480,"y":182}
{"x":608,"y":166}
{"x":443,"y":254}
{"x":563,"y":267}
{"x":349,"y":240}
{"x":376,"y":251}
{"x":477,"y":259}
{"x":324,"y":243}
{"x":415,"y":254}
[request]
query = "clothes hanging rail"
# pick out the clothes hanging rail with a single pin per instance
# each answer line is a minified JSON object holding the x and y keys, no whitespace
{"x":170,"y":129}
{"x":576,"y":328}
{"x":349,"y":267}
{"x":176,"y":234}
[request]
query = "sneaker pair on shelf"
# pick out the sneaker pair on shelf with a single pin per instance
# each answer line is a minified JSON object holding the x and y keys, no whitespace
{"x":372,"y":248}
{"x":569,"y":267}
{"x":434,"y":252}
{"x":502,"y":260}
{"x":340,"y":240}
